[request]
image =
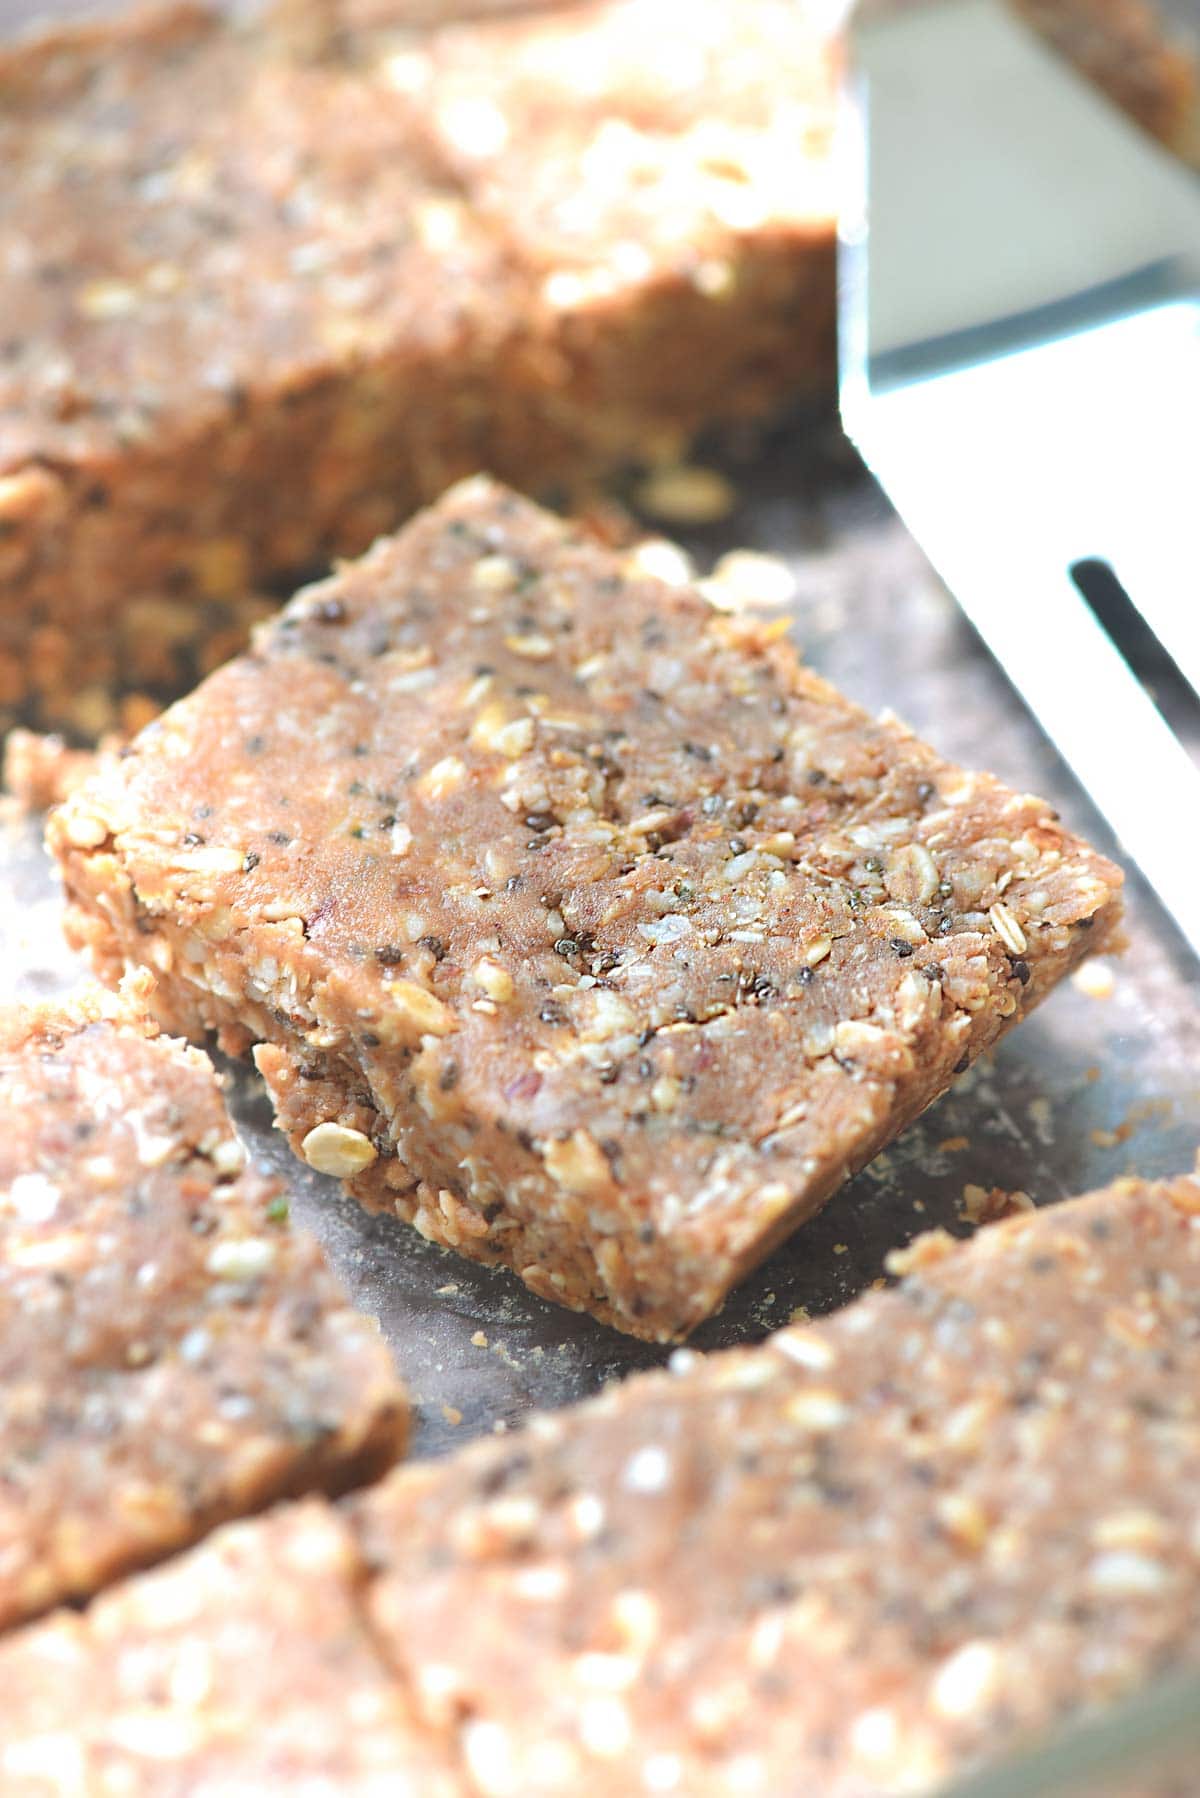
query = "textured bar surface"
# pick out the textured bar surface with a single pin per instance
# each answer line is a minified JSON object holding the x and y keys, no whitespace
{"x":260,"y":300}
{"x":855,"y":1560}
{"x":244,"y":1668}
{"x":575,"y":920}
{"x":171,"y":1354}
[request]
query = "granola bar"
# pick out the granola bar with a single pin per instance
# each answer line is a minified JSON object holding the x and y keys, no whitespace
{"x":171,"y":1353}
{"x":257,"y":304}
{"x":573,"y":920}
{"x":243,"y":1667}
{"x":858,"y":1559}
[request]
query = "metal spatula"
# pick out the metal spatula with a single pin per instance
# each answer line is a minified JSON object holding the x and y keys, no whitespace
{"x":1020,"y":323}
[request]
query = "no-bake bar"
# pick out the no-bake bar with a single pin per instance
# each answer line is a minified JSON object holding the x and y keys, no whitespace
{"x":244,"y":1668}
{"x":268,"y":288}
{"x":574,"y":920}
{"x":256,"y":305}
{"x":854,"y":1560}
{"x":171,"y":1353}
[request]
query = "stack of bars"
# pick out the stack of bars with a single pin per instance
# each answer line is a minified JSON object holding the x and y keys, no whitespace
{"x":565,"y":915}
{"x":266,"y":289}
{"x":853,"y":1560}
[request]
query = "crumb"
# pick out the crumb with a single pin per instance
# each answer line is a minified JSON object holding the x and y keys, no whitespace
{"x":951,"y":1145}
{"x":931,"y":1246}
{"x":745,"y":580}
{"x":681,"y":494}
{"x":985,"y":1204}
{"x":452,"y":1414}
{"x":479,"y":1340}
{"x":1095,"y":979}
{"x":1042,"y":1119}
{"x":841,"y":1248}
{"x":661,"y":560}
{"x":1104,"y":1139}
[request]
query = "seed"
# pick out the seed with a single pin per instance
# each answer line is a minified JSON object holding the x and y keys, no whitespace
{"x":1093,"y":979}
{"x":664,"y":1094}
{"x":494,"y":574}
{"x":107,"y":299}
{"x":532,"y":645}
{"x":1122,"y":1573}
{"x":444,"y":776}
{"x":245,"y":1258}
{"x":744,"y":579}
{"x":84,"y":830}
{"x":804,"y":1347}
{"x":963,"y":1518}
{"x":494,"y":730}
{"x":336,"y":1149}
{"x":662,"y":561}
{"x":687,"y":495}
{"x":967,"y":1680}
{"x":818,"y":1409}
{"x":1133,"y":1529}
{"x":648,"y":1470}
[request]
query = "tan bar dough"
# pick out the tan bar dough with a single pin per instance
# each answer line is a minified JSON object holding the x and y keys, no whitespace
{"x":245,"y":1668}
{"x":257,"y":304}
{"x":172,"y":1353}
{"x":575,"y":921}
{"x":861,"y":1558}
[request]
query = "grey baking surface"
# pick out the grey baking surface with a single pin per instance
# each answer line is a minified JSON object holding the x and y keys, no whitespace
{"x":1086,"y":1090}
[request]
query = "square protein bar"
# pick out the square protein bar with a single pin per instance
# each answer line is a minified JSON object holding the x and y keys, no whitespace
{"x":570,"y":918}
{"x":246,"y":1666}
{"x":859,"y":1559}
{"x":171,"y":1353}
{"x":263,"y":297}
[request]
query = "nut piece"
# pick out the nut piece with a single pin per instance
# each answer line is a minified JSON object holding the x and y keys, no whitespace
{"x":494,"y":730}
{"x":336,"y":1149}
{"x":443,"y":777}
{"x":423,"y":1011}
{"x":535,"y":646}
{"x":578,"y":1164}
{"x":84,"y":830}
{"x":494,"y":980}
